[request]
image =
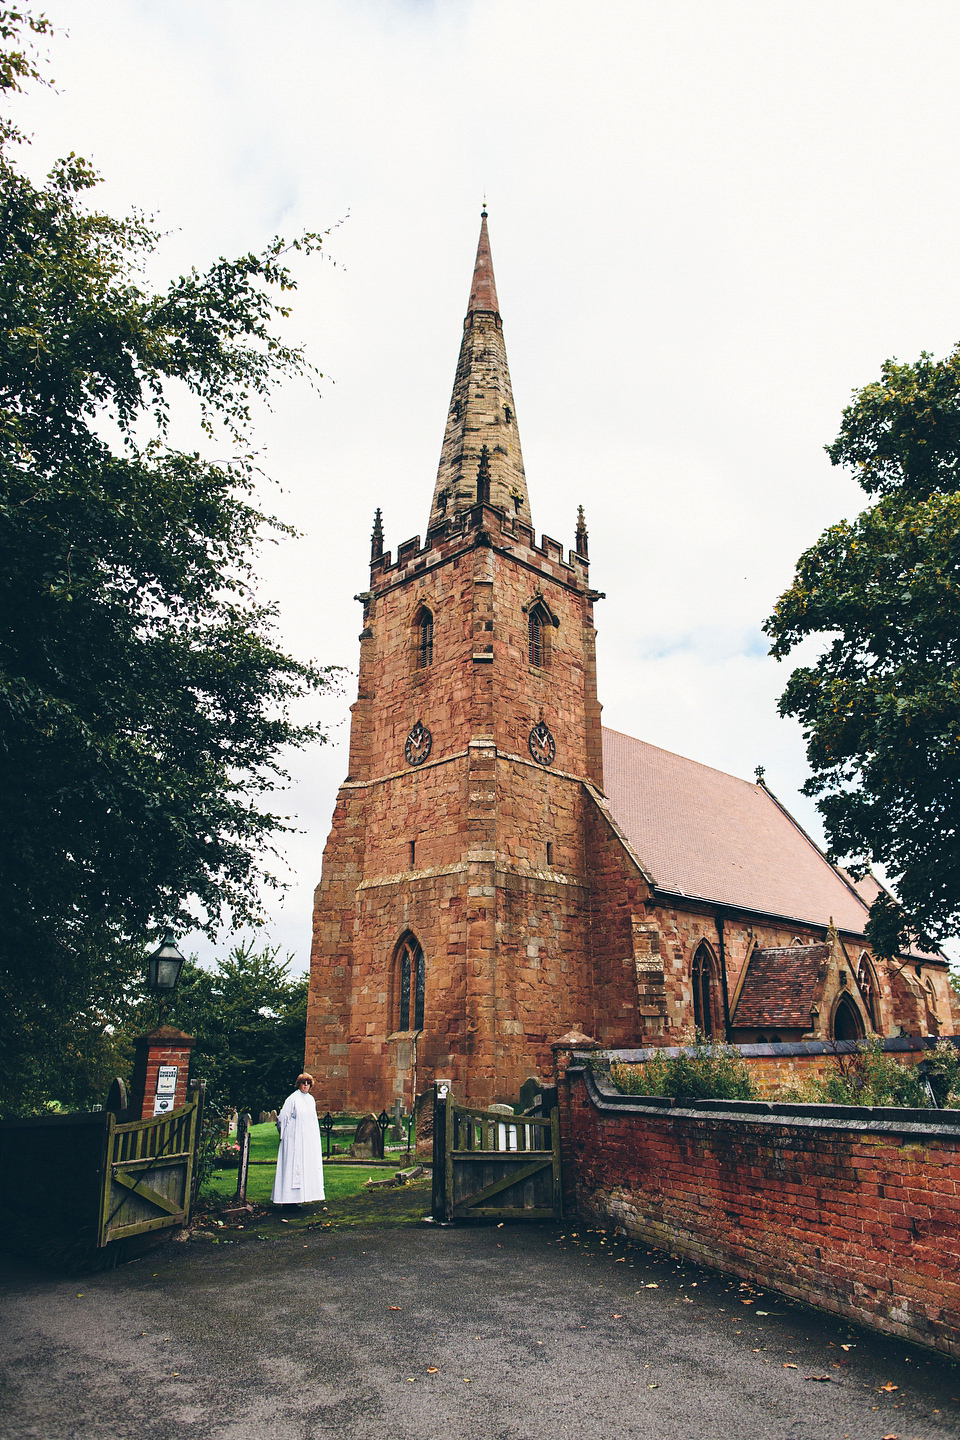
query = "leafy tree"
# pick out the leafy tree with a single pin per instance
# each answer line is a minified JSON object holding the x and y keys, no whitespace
{"x":880,"y":708}
{"x":143,"y":698}
{"x":250,"y":1021}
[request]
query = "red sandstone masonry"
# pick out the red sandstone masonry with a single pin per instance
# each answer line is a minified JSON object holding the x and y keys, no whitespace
{"x":859,"y":1216}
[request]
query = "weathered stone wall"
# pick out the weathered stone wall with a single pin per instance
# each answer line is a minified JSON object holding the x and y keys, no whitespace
{"x":852,"y":1211}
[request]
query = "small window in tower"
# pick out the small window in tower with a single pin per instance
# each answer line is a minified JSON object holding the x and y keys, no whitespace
{"x":507,"y":414}
{"x":424,"y":639}
{"x":413,"y":853}
{"x":539,"y":626}
{"x":549,"y":852}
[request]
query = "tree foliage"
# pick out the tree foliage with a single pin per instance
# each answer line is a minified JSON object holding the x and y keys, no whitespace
{"x":880,"y":708}
{"x":250,"y":1021}
{"x":143,"y":697}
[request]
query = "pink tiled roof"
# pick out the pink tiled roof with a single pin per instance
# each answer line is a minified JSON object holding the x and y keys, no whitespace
{"x":708,"y":835}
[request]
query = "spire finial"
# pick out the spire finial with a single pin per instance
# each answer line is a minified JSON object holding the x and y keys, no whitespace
{"x":582,"y":534}
{"x":483,"y":290}
{"x":376,"y":539}
{"x":483,"y":208}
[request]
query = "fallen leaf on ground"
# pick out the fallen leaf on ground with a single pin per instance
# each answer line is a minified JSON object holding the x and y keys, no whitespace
{"x":761,"y":1312}
{"x":465,"y":1380}
{"x":745,"y":1302}
{"x":433,"y":1369}
{"x":651,"y":1285}
{"x":846,"y":1347}
{"x":394,"y":1307}
{"x":891,"y":1437}
{"x":616,"y":1317}
{"x":789,"y":1365}
{"x":819,"y":1377}
{"x":889,"y":1387}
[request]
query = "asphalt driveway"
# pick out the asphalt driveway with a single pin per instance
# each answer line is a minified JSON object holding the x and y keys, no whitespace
{"x":420,"y":1333}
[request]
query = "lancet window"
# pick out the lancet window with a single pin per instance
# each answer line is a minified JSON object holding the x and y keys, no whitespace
{"x":423,"y":636}
{"x":411,"y":984}
{"x":539,"y":625}
{"x":703,"y":978}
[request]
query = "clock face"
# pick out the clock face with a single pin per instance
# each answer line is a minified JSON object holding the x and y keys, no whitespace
{"x":419,"y":743}
{"x":542,"y":745}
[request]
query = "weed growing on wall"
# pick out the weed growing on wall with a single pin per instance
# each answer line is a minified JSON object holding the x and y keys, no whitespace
{"x":867,"y":1076}
{"x":703,"y":1071}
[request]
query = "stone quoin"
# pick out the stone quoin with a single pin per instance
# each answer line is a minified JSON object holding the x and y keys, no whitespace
{"x":502,"y":870}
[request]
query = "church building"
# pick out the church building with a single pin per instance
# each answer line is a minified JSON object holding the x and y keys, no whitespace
{"x":501,"y":869}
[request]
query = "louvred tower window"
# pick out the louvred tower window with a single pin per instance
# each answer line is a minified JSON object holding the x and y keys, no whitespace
{"x":423,"y":635}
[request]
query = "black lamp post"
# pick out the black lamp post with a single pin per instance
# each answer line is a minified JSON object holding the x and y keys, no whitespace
{"x":163,"y":969}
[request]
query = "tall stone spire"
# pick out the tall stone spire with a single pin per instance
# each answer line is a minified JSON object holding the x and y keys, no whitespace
{"x":482,"y":414}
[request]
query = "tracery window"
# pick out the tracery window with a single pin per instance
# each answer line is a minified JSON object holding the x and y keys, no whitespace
{"x":424,"y":638}
{"x":867,"y":982}
{"x":411,"y":977}
{"x":703,"y":972}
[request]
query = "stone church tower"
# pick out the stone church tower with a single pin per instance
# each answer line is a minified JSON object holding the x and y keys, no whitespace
{"x":501,"y":870}
{"x":450,"y":928}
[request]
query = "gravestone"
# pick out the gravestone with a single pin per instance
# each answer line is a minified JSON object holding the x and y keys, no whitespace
{"x":397,"y":1132}
{"x":530,"y":1092}
{"x":368,"y":1140}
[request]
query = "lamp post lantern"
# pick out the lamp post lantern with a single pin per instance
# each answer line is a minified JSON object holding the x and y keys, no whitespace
{"x":163,"y":969}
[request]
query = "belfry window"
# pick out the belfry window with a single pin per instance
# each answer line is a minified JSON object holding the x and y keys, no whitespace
{"x":424,"y":638}
{"x":410,"y":984}
{"x":702,"y":985}
{"x":539,"y":625}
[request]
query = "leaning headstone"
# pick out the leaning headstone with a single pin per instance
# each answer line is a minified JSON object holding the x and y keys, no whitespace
{"x":530,"y":1092}
{"x":368,"y":1140}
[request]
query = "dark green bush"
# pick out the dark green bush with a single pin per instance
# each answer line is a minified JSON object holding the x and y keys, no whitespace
{"x":704,"y":1071}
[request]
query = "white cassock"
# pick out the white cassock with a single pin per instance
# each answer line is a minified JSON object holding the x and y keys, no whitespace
{"x":300,"y":1161}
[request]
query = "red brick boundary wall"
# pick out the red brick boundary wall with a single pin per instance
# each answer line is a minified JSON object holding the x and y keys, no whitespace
{"x":849,"y":1209}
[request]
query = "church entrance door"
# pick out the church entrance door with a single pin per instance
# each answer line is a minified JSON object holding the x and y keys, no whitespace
{"x":493,"y":1164}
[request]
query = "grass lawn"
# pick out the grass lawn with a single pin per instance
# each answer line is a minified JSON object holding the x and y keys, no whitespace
{"x":347,"y":1201}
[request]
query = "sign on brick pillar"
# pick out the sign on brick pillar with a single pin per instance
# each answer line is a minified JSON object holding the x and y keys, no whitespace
{"x":160,"y":1067}
{"x":563,"y":1050}
{"x":651,"y":982}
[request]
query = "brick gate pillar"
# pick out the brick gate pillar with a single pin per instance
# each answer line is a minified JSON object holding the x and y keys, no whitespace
{"x":160,"y":1066}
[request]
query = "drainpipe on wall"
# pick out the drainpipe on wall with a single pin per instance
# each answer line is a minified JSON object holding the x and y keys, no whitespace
{"x":723,"y":977}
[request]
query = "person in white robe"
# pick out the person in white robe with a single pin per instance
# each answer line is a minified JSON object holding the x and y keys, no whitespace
{"x":300,"y":1160}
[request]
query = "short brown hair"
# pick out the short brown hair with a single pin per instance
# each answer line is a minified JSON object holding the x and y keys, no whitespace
{"x":305,"y":1076}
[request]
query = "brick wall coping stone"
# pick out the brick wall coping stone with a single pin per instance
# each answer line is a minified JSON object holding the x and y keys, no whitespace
{"x":892,"y":1045}
{"x":884,"y":1120}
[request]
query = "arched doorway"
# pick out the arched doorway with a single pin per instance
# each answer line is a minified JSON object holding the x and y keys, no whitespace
{"x":847,"y":1021}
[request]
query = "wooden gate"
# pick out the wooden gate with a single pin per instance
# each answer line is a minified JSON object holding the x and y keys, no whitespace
{"x":148,"y":1173}
{"x":491,"y":1165}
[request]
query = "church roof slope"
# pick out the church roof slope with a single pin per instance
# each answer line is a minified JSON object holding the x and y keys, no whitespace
{"x":710,"y":836}
{"x":780,"y":987}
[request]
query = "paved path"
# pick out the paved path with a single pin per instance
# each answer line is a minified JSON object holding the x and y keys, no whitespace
{"x":498,"y":1333}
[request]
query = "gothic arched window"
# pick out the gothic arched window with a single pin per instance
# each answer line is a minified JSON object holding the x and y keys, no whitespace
{"x":423,"y":635}
{"x":410,"y":984}
{"x":703,"y":974}
{"x":869,"y":990}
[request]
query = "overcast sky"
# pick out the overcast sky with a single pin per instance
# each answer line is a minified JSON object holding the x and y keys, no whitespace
{"x":709,"y":223}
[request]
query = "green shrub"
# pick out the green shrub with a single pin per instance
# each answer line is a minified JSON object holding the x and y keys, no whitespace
{"x":704,"y":1071}
{"x":869,"y":1077}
